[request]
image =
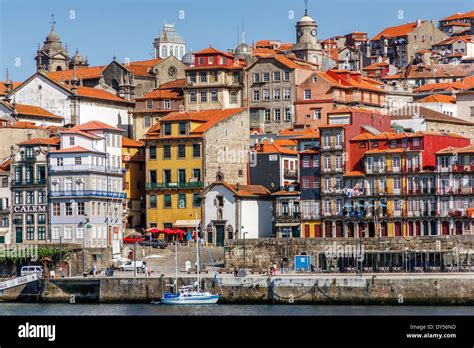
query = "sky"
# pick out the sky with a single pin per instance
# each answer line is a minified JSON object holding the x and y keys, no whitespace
{"x":101,"y":29}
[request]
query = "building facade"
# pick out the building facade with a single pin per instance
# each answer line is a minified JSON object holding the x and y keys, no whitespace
{"x":5,"y":203}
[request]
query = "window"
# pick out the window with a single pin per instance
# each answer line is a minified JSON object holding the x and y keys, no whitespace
{"x":196,"y":200}
{"x":375,"y":143}
{"x":30,"y":233}
{"x":316,"y":161}
{"x":306,"y":161}
{"x":393,"y":144}
{"x":256,"y":95}
{"x":276,"y":94}
{"x":256,"y":77}
{"x":404,"y":142}
{"x":339,"y":162}
{"x":317,"y":114}
{"x":182,"y":176}
{"x":77,"y":160}
{"x":5,"y":182}
{"x":42,"y":233}
{"x":167,"y":129}
{"x":210,"y":60}
{"x":56,"y":209}
{"x":182,"y":128}
{"x":67,"y":232}
{"x":79,"y":232}
{"x":30,"y":197}
{"x":192,"y":97}
{"x":81,"y":208}
{"x":203,"y":96}
{"x":68,"y":209}
{"x":267,"y":115}
{"x":166,"y":152}
{"x":181,"y":151}
{"x":235,"y":77}
{"x":152,"y":152}
{"x":167,"y":104}
{"x":471,"y":111}
{"x":153,"y":201}
{"x":277,"y":115}
{"x":307,"y":94}
{"x":202,"y":76}
{"x":192,"y":76}
{"x":201,"y":60}
{"x":286,"y":93}
{"x":327,"y":163}
{"x":197,"y":174}
{"x":338,"y":139}
{"x":287,"y":114}
{"x":416,"y":141}
{"x":196,"y":150}
{"x":18,"y":197}
{"x":68,"y":184}
{"x":214,"y":96}
{"x":233,"y":97}
{"x":149,"y":104}
{"x":306,"y":183}
{"x":266,"y":94}
{"x":71,"y":141}
{"x":182,"y":200}
{"x":286,"y":75}
{"x":276,"y":76}
{"x":167,"y":200}
{"x":41,"y":219}
{"x":30,"y":219}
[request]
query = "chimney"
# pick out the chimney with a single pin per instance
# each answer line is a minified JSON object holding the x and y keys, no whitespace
{"x":418,"y":22}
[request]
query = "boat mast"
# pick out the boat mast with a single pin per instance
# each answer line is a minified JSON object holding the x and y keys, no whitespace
{"x":197,"y":249}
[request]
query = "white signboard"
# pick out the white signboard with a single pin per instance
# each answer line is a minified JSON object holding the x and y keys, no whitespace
{"x":18,"y":281}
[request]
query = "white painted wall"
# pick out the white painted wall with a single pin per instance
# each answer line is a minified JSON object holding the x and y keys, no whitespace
{"x":449,"y":109}
{"x":114,"y":115}
{"x":416,"y":124}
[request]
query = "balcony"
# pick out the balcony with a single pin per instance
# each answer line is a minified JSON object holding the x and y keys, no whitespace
{"x":87,"y":168}
{"x":314,"y":216}
{"x":28,"y":183}
{"x":290,"y":173}
{"x":173,"y":185}
{"x":87,"y":193}
{"x":283,"y":217}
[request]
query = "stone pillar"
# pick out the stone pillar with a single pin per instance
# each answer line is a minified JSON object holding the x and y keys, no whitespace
{"x":356,"y":230}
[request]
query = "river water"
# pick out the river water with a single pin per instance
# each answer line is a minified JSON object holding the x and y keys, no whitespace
{"x":32,"y":309}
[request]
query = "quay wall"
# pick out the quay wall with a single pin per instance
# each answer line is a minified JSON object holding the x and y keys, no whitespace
{"x":263,"y":252}
{"x":447,"y":289}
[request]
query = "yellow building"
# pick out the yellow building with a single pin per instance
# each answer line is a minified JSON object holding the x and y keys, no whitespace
{"x":182,"y":152}
{"x":133,"y":161}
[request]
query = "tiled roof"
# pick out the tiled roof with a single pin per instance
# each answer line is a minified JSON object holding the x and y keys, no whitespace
{"x":349,"y":79}
{"x":127,"y":142}
{"x":267,"y":146}
{"x":5,"y":165}
{"x":160,"y":93}
{"x":354,"y":173}
{"x":443,"y":86}
{"x":466,"y":149}
{"x":173,"y":84}
{"x":458,"y":24}
{"x":95,"y":125}
{"x":438,"y":98}
{"x":22,"y":125}
{"x":92,"y":72}
{"x":453,"y":39}
{"x":211,"y":50}
{"x":74,"y":149}
{"x":247,"y":190}
{"x":31,"y":110}
{"x":154,"y":130}
{"x":97,"y":93}
{"x":435,"y":71}
{"x":214,"y":117}
{"x":285,"y":142}
{"x":2,"y":86}
{"x":431,"y":115}
{"x":459,"y":15}
{"x":41,"y":141}
{"x":368,"y":136}
{"x":376,"y":66}
{"x":399,"y":30}
{"x":74,"y":130}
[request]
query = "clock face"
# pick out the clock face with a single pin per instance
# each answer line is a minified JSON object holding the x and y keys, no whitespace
{"x":172,"y":72}
{"x":313,"y":32}
{"x":300,"y":32}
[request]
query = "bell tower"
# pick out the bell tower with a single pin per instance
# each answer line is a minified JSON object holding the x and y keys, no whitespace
{"x":52,"y":56}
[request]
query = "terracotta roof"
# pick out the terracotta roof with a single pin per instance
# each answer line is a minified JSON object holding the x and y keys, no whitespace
{"x":285,"y":142}
{"x":247,"y":190}
{"x":92,"y":72}
{"x":399,"y":30}
{"x":32,"y":110}
{"x":2,"y":86}
{"x":214,"y":117}
{"x":368,"y":136}
{"x":431,"y":115}
{"x":95,"y":125}
{"x":354,"y":173}
{"x":434,"y":71}
{"x":349,"y":79}
{"x":309,"y":152}
{"x":22,"y":125}
{"x":5,"y":165}
{"x":443,"y":86}
{"x":438,"y":98}
{"x":451,"y":149}
{"x":96,"y":93}
{"x":286,"y":193}
{"x":210,"y":51}
{"x":459,"y":15}
{"x":453,"y":39}
{"x":127,"y":142}
{"x":267,"y":146}
{"x":74,"y":149}
{"x":173,"y":84}
{"x":458,"y":24}
{"x":160,"y":93}
{"x":41,"y":141}
{"x":74,"y":130}
{"x":375,"y":66}
{"x":154,"y":130}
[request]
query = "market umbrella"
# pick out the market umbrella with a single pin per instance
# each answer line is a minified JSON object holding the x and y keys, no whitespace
{"x":169,"y":231}
{"x":154,"y":230}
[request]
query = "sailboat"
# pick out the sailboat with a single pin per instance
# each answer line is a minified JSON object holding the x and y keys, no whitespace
{"x":187,"y":295}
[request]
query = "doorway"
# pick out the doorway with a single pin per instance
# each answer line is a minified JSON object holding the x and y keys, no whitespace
{"x":220,"y":235}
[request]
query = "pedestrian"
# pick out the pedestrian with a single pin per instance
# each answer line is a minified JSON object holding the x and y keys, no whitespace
{"x":235,"y":272}
{"x":274,"y":268}
{"x":94,"y":270}
{"x":148,"y":270}
{"x":282,"y":267}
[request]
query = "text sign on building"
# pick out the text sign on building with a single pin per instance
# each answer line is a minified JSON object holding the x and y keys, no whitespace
{"x":273,"y":158}
{"x":29,"y":209}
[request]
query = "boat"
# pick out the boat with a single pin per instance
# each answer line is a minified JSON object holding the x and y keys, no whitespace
{"x":187,"y":295}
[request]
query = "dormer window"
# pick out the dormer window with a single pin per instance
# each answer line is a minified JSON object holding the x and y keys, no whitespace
{"x":375,"y":143}
{"x":201,"y":60}
{"x":167,"y":129}
{"x":182,"y":128}
{"x":210,"y":60}
{"x":149,"y":104}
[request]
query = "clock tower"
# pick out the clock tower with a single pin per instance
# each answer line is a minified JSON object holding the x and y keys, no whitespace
{"x":307,"y":46}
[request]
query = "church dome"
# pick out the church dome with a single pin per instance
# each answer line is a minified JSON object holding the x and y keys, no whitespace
{"x":53,"y":36}
{"x":188,"y":58}
{"x":243,"y":49}
{"x":306,"y":18}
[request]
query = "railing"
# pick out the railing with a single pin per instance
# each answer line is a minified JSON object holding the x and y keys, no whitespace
{"x":87,"y":193}
{"x":88,"y":168}
{"x":173,"y":185}
{"x":290,"y":173}
{"x":311,"y":217}
{"x":28,"y":182}
{"x":288,"y":216}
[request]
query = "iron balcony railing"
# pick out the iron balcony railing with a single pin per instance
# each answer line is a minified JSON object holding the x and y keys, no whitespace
{"x":173,"y":185}
{"x":87,"y":193}
{"x":17,"y":183}
{"x":86,"y":168}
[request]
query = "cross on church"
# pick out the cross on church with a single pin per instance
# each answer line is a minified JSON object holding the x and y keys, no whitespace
{"x":53,"y":22}
{"x":305,"y":7}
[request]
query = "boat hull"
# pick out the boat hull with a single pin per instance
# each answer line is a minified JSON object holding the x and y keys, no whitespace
{"x":211,"y":299}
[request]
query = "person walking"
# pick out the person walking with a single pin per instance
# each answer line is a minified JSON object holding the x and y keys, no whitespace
{"x":282,"y":267}
{"x":148,"y":271}
{"x":94,"y":270}
{"x":274,"y":268}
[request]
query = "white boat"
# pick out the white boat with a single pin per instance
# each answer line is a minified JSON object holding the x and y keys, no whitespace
{"x":186,"y":295}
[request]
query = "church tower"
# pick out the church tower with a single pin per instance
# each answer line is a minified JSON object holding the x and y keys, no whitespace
{"x":169,"y":43}
{"x":307,"y":45}
{"x":52,"y":56}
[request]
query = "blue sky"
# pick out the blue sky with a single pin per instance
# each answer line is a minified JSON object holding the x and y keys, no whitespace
{"x":104,"y":28}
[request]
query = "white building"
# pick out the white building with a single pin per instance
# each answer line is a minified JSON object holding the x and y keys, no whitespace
{"x":5,"y":194}
{"x":446,"y":104}
{"x":226,"y":207}
{"x":169,"y":43}
{"x":77,"y":104}
{"x":86,"y":190}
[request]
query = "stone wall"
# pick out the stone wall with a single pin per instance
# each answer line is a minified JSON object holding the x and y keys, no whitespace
{"x":465,"y":130}
{"x":261,"y":253}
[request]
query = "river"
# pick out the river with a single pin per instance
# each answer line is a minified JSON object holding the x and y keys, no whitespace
{"x":32,"y":309}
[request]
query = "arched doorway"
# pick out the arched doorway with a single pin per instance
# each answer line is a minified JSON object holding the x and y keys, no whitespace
{"x":445,"y":228}
{"x":350,"y":229}
{"x":339,"y":229}
{"x":458,"y":227}
{"x":328,"y":229}
{"x":418,"y":228}
{"x":384,"y":229}
{"x":410,"y":228}
{"x":398,"y":228}
{"x":362,"y":229}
